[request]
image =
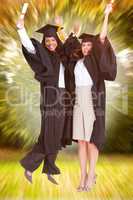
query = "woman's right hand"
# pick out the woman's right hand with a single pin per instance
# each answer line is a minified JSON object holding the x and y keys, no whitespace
{"x":20,"y":22}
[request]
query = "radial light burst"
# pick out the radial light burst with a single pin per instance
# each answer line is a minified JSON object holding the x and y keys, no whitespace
{"x":19,"y":92}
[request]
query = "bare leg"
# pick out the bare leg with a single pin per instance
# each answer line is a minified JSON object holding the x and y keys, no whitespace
{"x":93,"y":157}
{"x":82,"y":151}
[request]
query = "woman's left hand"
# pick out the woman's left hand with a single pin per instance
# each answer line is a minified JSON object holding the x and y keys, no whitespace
{"x":108,"y":9}
{"x":76,"y":28}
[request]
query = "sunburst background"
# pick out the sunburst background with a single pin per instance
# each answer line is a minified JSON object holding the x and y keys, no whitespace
{"x":20,"y":97}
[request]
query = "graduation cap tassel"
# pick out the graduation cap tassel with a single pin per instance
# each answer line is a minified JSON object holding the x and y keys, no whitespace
{"x":61,"y":34}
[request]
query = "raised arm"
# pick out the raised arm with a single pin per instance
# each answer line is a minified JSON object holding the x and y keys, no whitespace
{"x":104,"y":30}
{"x":27,"y":43}
{"x":104,"y":52}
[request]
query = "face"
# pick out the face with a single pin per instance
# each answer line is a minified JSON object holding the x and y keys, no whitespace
{"x":50,"y":43}
{"x":86,"y":48}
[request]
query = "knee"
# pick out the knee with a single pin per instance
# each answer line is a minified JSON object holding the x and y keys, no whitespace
{"x":82,"y":143}
{"x":92,"y":145}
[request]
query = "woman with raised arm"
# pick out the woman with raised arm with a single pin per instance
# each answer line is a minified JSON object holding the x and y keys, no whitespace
{"x":88,"y":69}
{"x":47,"y":61}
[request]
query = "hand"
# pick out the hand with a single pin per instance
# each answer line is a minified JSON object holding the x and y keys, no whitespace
{"x":108,"y":9}
{"x":58,"y":20}
{"x":20,"y":22}
{"x":76,"y":28}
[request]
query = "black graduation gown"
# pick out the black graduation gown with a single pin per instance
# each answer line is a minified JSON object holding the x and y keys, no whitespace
{"x":101,"y":65}
{"x":46,"y":70}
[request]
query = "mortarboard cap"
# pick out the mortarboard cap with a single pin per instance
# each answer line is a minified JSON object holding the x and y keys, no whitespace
{"x":86,"y":37}
{"x":49,"y":30}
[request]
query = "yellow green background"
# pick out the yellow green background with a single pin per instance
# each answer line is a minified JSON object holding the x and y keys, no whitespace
{"x":20,"y":122}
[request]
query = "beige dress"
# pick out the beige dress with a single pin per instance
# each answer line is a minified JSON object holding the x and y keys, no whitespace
{"x":83,"y":113}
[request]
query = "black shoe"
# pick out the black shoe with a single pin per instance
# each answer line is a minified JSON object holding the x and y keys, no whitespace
{"x":28,"y":177}
{"x":50,"y":178}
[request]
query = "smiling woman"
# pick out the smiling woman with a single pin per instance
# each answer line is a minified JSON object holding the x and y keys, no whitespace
{"x":50,"y":38}
{"x":50,"y":43}
{"x":87,"y":75}
{"x":49,"y":68}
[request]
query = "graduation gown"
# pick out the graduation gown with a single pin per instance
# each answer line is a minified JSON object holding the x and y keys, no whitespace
{"x":101,"y":65}
{"x":46,"y":65}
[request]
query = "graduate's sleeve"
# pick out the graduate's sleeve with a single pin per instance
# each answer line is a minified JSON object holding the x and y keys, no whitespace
{"x":72,"y":47}
{"x":25,"y":40}
{"x":39,"y":62}
{"x":105,"y":58}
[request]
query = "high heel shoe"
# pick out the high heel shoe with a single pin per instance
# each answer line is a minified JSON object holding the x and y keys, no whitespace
{"x":28,"y":177}
{"x":89,"y":187}
{"x":51,"y":179}
{"x":95,"y":177}
{"x":80,"y":188}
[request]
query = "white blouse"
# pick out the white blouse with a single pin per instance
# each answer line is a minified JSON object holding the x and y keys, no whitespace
{"x":27,"y":43}
{"x":82,"y":76}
